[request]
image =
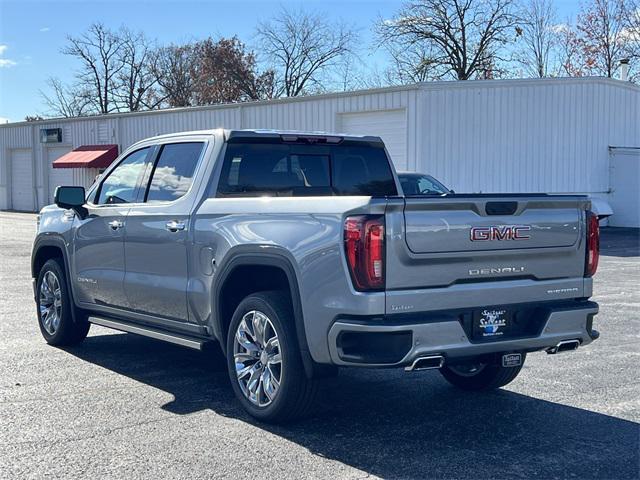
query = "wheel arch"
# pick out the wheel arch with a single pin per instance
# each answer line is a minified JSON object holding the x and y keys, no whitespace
{"x":259,"y":257}
{"x":46,"y":248}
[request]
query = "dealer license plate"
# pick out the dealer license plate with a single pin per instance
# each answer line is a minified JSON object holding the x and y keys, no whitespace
{"x":492,"y":323}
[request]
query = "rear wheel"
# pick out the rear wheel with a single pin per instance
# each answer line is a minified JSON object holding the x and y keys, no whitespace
{"x":264,"y":361}
{"x":476,"y":376}
{"x":55,"y":316}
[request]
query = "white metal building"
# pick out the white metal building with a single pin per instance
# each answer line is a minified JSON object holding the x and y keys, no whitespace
{"x":570,"y":135}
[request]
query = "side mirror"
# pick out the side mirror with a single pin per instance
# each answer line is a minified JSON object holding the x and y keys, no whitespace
{"x":71,"y":198}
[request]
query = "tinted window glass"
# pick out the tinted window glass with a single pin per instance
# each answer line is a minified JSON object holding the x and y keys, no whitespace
{"x":173,"y":173}
{"x":429,"y":185}
{"x":121,"y":184}
{"x":362,"y":171}
{"x":293,"y":170}
{"x":257,"y":169}
{"x":421,"y":185}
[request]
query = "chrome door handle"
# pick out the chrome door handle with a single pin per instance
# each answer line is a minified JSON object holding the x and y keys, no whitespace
{"x":174,"y":226}
{"x":116,"y":224}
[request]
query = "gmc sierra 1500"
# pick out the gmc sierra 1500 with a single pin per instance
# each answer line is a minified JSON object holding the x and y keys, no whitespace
{"x":298,"y":253}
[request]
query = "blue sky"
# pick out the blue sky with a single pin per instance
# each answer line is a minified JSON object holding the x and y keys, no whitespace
{"x":33,"y":32}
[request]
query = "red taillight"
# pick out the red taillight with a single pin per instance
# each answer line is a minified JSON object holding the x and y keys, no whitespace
{"x":593,"y":244}
{"x":364,"y":247}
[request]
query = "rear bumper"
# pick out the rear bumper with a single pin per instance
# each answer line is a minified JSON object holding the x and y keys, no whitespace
{"x":448,"y":338}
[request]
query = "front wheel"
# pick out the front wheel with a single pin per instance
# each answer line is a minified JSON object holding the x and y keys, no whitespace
{"x":264,"y":360}
{"x":476,"y":376}
{"x":55,"y":305}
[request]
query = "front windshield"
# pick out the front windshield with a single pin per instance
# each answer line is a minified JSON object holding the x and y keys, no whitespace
{"x":421,"y":185}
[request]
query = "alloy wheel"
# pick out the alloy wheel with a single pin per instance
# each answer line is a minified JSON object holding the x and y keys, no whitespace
{"x":50,"y":299}
{"x":257,"y":358}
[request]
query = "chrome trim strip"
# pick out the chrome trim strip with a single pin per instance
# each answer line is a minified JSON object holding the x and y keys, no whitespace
{"x":412,"y":367}
{"x":574,"y":344}
{"x":148,"y":332}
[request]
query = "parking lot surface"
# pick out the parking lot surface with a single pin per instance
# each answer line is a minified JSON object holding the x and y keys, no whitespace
{"x":125,"y":406}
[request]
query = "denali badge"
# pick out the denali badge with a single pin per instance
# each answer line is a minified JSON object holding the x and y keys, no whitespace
{"x":494,"y":270}
{"x":499,"y":232}
{"x":87,"y":280}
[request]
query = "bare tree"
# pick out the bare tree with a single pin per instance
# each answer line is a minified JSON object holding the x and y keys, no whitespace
{"x":463,"y":38}
{"x":351,"y":74}
{"x":571,"y":53}
{"x":98,"y":50}
{"x":410,"y":64}
{"x":631,"y":33}
{"x":172,"y":68}
{"x":538,"y":35}
{"x":375,"y":76}
{"x":302,"y":47}
{"x":601,"y":35}
{"x":133,"y":86}
{"x":65,"y":101}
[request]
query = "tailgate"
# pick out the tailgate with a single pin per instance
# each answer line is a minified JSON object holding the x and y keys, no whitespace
{"x":470,"y":240}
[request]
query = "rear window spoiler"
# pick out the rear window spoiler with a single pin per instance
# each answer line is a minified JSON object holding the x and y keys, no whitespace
{"x":279,"y":136}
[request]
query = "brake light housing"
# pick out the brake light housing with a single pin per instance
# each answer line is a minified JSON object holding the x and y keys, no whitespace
{"x":593,"y":244}
{"x":364,"y":249}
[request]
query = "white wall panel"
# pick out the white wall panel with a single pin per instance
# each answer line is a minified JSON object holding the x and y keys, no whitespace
{"x":625,"y":187}
{"x":58,"y":176}
{"x":479,"y":136}
{"x":527,"y":136}
{"x":21,"y":180}
{"x":390,"y":125}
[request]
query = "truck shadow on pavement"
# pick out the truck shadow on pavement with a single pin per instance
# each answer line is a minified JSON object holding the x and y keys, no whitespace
{"x":393,"y":424}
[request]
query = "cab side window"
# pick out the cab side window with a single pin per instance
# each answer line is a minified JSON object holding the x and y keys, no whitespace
{"x":173,"y":172}
{"x":121,"y":186}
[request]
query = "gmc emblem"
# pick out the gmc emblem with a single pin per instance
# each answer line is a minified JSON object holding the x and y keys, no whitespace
{"x":499,"y":232}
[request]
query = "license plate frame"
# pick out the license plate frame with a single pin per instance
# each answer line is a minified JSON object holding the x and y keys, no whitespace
{"x":492,"y":323}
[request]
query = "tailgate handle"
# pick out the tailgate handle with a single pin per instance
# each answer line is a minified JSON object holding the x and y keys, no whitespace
{"x":501,"y":208}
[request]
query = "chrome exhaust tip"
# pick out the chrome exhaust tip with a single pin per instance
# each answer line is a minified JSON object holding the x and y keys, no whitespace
{"x":564,"y":346}
{"x":425,"y":363}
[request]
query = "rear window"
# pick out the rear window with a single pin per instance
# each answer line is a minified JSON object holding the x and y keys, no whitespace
{"x":255,"y":169}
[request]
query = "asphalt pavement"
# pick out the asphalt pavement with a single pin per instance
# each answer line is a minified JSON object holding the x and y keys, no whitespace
{"x":124,"y":406}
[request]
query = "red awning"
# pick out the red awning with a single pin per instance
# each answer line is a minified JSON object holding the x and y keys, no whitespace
{"x":88,"y":156}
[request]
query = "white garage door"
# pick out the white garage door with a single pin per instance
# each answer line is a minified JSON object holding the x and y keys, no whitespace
{"x":625,"y":187}
{"x":22,"y":196}
{"x":58,"y":176}
{"x":390,"y":125}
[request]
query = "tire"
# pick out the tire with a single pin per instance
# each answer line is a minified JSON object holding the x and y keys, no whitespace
{"x":54,"y":302}
{"x":269,"y":378}
{"x":488,"y":376}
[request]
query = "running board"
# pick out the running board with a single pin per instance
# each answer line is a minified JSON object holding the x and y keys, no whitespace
{"x":188,"y":342}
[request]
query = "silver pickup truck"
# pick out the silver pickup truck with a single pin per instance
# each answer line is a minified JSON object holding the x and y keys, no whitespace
{"x":298,"y":253}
